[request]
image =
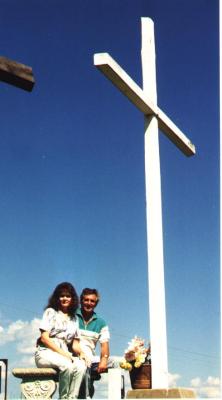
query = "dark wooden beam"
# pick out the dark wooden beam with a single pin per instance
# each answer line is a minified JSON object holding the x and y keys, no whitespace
{"x":16,"y":74}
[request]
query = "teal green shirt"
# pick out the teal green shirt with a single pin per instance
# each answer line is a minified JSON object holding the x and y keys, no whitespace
{"x":91,"y":332}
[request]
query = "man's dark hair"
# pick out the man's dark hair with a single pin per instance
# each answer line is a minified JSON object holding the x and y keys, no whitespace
{"x":88,"y":291}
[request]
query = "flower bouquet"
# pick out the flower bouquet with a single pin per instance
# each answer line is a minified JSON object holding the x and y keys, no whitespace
{"x":136,"y":354}
{"x":137,"y":361}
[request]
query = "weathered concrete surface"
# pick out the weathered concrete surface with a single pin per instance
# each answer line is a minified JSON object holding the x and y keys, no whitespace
{"x":35,"y":372}
{"x":174,"y":393}
{"x":37,"y":383}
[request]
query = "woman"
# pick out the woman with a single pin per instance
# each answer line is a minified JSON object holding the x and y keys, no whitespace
{"x":59,"y":338}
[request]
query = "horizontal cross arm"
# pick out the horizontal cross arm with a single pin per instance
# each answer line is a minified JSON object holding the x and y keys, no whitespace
{"x":175,"y":134}
{"x":16,"y":74}
{"x":105,"y":63}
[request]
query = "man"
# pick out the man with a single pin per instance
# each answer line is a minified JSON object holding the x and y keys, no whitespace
{"x":93,"y":329}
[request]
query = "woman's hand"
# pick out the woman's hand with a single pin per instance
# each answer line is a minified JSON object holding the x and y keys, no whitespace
{"x":78,"y":351}
{"x":84,"y":357}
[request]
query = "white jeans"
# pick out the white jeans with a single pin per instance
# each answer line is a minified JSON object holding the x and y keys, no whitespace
{"x":70,"y":373}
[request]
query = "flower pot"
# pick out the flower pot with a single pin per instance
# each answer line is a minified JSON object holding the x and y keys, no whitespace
{"x":141,"y":377}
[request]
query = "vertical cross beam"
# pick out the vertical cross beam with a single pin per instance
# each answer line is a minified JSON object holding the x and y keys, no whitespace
{"x":157,"y":308}
{"x":146,"y":101}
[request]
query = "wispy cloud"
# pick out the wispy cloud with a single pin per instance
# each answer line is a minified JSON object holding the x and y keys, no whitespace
{"x":210,"y":388}
{"x":173,"y":378}
{"x":22,"y":333}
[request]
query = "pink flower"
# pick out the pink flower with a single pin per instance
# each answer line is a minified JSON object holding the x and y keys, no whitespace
{"x":130,"y":355}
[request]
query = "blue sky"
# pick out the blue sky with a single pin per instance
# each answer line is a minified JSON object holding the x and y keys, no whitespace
{"x":72,"y":195}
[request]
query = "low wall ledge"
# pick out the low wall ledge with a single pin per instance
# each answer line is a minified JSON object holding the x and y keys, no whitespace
{"x":35,"y":372}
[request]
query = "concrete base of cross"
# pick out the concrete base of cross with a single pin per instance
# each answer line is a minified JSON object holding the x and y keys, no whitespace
{"x":173,"y":393}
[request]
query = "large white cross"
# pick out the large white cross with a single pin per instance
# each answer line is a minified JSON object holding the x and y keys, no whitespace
{"x":146,"y":100}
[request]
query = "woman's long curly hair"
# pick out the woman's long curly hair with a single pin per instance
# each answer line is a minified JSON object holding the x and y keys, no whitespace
{"x":64,"y":287}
